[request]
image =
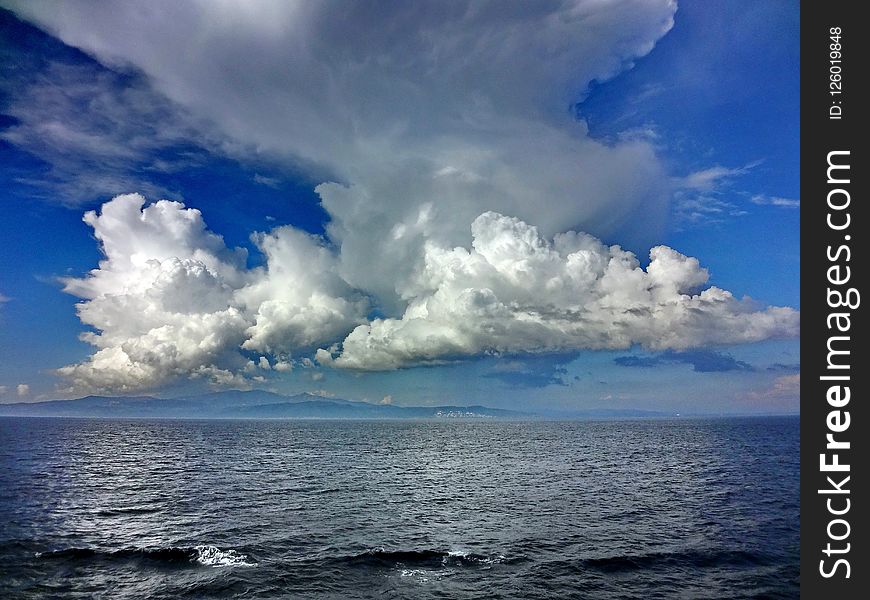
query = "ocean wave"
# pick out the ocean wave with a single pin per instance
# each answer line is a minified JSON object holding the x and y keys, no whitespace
{"x":421,"y":575}
{"x":206,"y":555}
{"x":467,"y":557}
{"x":412,"y":560}
{"x":213,"y":556}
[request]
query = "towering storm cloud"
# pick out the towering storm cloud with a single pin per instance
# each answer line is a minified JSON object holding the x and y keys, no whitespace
{"x":454,"y":170}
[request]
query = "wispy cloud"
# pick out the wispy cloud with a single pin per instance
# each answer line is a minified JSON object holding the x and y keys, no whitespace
{"x":267,"y":181}
{"x":765,"y":200}
{"x":708,"y":197}
{"x":703,"y":209}
{"x":98,"y":133}
{"x":699,"y":196}
{"x":712,"y":178}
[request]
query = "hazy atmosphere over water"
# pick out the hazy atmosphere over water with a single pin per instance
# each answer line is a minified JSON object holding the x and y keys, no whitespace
{"x":550,"y":205}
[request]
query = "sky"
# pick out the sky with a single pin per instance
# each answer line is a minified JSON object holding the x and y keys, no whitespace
{"x":556,"y":205}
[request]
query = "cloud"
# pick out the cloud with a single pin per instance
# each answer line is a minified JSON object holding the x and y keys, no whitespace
{"x":692,"y":210}
{"x":416,"y":118}
{"x":709,"y":179}
{"x":283,"y":366}
{"x":516,"y":291}
{"x":784,"y":367}
{"x":699,"y":201}
{"x":704,"y":204}
{"x":298,"y":300}
{"x":532,"y":371}
{"x":170,"y":300}
{"x":272,"y":182}
{"x":98,"y":132}
{"x":698,"y":197}
{"x":22,"y":390}
{"x":764,"y":200}
{"x":703,"y":361}
{"x":453,"y":170}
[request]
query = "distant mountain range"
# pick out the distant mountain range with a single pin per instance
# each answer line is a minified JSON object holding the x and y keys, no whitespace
{"x":256,"y":404}
{"x":245,"y":405}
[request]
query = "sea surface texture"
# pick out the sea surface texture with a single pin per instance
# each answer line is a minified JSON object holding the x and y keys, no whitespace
{"x":397,"y":509}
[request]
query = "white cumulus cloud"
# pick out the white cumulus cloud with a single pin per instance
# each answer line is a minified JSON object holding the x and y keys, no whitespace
{"x":514,"y":291}
{"x":170,"y":300}
{"x":298,"y":299}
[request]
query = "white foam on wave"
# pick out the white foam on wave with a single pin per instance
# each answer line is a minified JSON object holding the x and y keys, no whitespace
{"x":421,"y":575}
{"x":467,"y":556}
{"x":212,"y":556}
{"x":493,"y":560}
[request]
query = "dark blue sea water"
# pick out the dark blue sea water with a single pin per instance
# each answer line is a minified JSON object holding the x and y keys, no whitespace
{"x":381,"y":509}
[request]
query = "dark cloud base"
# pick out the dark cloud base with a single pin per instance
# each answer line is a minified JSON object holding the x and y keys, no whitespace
{"x":702,"y":361}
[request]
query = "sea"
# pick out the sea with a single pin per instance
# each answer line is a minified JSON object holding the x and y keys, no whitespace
{"x":449,"y":508}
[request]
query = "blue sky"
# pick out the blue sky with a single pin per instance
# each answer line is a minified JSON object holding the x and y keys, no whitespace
{"x":395,"y":163}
